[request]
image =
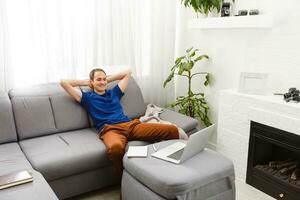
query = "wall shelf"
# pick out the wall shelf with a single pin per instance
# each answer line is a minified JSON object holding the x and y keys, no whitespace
{"x":254,"y":21}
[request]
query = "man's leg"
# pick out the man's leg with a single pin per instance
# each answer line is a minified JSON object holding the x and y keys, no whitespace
{"x":115,"y":144}
{"x":153,"y":132}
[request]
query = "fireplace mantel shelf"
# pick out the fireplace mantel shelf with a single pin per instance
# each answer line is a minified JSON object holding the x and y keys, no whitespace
{"x":275,"y":99}
{"x":254,"y":21}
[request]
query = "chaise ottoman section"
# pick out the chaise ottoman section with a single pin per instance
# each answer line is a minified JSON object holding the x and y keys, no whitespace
{"x":207,"y":175}
{"x":12,"y":159}
{"x":36,"y":190}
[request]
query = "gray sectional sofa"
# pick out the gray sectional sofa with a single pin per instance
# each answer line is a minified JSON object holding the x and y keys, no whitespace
{"x":46,"y":132}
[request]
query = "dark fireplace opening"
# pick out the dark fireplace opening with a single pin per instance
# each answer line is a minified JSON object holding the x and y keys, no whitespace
{"x":274,"y":162}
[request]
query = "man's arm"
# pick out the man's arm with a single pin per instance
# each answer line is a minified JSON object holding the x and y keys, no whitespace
{"x":69,"y":86}
{"x":123,"y":76}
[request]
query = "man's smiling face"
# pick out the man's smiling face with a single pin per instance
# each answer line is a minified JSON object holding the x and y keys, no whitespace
{"x":99,"y":82}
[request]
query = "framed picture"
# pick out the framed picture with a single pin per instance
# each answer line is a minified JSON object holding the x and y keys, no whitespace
{"x":253,"y":83}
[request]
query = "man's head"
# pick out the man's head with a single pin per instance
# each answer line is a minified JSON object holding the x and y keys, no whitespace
{"x":98,"y":80}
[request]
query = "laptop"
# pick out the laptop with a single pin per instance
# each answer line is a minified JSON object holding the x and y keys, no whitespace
{"x":181,"y":151}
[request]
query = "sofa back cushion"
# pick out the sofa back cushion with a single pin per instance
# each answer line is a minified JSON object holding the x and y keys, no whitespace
{"x":132,"y":101}
{"x":46,"y":109}
{"x":7,"y":124}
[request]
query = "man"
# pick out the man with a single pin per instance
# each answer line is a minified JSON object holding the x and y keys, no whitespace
{"x":114,"y":127}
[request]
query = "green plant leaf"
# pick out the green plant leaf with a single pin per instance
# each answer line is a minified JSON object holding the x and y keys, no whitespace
{"x":182,"y":111}
{"x":204,"y":105}
{"x":182,"y":68}
{"x":199,"y":112}
{"x":198,"y":2}
{"x":174,"y":67}
{"x":188,"y":50}
{"x":201,"y":57}
{"x":200,"y":93}
{"x":170,"y":77}
{"x":203,"y":6}
{"x":194,"y":5}
{"x":194,"y":52}
{"x":207,"y":79}
{"x":178,"y":60}
{"x":185,"y":2}
{"x":189,"y":66}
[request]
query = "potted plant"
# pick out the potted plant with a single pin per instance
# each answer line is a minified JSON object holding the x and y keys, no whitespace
{"x":192,"y":104}
{"x":203,"y":6}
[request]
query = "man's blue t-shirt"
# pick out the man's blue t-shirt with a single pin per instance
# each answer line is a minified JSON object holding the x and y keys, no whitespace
{"x":106,"y":108}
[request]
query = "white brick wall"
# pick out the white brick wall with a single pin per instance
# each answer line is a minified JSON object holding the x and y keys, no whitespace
{"x":235,"y":112}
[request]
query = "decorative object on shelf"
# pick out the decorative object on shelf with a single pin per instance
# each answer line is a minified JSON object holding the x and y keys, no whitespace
{"x":192,"y":104}
{"x":242,"y":13}
{"x":254,"y":12}
{"x":253,"y":83}
{"x":203,"y":6}
{"x":292,"y":95}
{"x":245,"y":12}
{"x":225,"y":11}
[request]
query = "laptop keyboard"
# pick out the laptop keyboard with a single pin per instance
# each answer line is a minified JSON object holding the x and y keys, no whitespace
{"x":176,"y":155}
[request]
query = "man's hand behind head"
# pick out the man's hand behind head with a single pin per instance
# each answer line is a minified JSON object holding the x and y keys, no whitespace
{"x":91,"y":85}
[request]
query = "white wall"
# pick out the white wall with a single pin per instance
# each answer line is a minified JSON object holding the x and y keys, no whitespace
{"x":275,"y":51}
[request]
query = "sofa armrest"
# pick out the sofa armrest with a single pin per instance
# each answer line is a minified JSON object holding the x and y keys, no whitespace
{"x":185,"y":122}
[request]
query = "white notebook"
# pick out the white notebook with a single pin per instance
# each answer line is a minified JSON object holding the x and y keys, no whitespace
{"x":137,"y":151}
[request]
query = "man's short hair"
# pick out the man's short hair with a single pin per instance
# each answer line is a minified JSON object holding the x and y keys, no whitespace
{"x":92,"y":73}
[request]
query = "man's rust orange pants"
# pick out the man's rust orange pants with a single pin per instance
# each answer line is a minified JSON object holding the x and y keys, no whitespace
{"x":115,"y":137}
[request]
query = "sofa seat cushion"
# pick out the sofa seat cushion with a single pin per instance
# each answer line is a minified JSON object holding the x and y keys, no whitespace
{"x":171,"y":180}
{"x":185,"y":122}
{"x":65,"y":154}
{"x":12,"y":158}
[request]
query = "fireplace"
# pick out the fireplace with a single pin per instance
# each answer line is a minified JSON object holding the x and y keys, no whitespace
{"x":274,"y":162}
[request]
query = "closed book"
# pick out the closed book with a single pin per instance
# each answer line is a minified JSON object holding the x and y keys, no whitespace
{"x":137,"y":151}
{"x":15,"y":178}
